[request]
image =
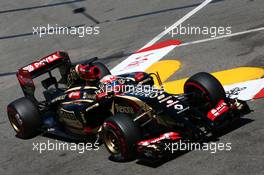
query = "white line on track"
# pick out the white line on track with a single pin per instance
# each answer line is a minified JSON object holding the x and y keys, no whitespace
{"x":124,"y":65}
{"x":220,"y":37}
{"x":177,"y":23}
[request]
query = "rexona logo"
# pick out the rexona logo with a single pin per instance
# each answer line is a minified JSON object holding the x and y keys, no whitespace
{"x":41,"y":63}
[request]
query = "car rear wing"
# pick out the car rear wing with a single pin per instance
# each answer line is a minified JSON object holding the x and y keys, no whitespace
{"x":26,"y":74}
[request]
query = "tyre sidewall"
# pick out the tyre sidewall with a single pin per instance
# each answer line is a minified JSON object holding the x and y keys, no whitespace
{"x":128,"y":135}
{"x":208,"y":84}
{"x":29,"y":116}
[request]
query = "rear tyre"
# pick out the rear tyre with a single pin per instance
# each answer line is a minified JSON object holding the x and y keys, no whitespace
{"x":206,"y":89}
{"x":24,"y":117}
{"x":120,"y":135}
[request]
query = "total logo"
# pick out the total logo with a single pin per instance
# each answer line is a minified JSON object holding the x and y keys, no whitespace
{"x":174,"y":103}
{"x":169,"y":102}
{"x":48,"y":59}
{"x":124,"y":109}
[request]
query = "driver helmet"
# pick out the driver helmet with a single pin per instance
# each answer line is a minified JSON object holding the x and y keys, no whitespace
{"x":87,"y":72}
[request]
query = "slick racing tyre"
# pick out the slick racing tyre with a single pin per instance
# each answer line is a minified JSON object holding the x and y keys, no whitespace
{"x":103,"y":69}
{"x":24,"y":117}
{"x":206,"y":89}
{"x":120,"y":135}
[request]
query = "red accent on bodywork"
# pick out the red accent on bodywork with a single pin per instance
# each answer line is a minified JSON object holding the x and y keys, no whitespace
{"x":260,"y":94}
{"x":169,"y":136}
{"x":89,"y":72}
{"x":75,"y":95}
{"x":101,"y":95}
{"x":108,"y":79}
{"x":26,"y":82}
{"x":219,"y":110}
{"x":88,"y":130}
{"x":139,"y":76}
{"x":160,"y":45}
{"x":24,"y":78}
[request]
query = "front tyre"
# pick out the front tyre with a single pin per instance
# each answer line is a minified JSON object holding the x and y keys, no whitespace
{"x":206,"y":89}
{"x":120,"y":135}
{"x":24,"y":117}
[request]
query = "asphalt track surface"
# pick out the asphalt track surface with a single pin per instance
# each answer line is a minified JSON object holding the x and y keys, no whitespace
{"x":126,"y":26}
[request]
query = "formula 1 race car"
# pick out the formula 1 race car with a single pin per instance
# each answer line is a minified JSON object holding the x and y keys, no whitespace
{"x":75,"y":112}
{"x":150,"y":119}
{"x":133,"y":118}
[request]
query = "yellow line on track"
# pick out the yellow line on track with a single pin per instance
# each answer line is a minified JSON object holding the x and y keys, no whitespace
{"x":166,"y":68}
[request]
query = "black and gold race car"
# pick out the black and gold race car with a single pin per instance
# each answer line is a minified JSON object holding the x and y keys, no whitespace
{"x":128,"y":113}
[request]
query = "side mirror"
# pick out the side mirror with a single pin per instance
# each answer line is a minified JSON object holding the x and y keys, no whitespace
{"x":157,"y":77}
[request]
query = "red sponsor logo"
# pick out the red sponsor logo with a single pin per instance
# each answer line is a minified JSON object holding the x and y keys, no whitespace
{"x":220,"y":109}
{"x":42,"y":62}
{"x":101,"y":95}
{"x":108,"y":79}
{"x":139,"y":76}
{"x":75,"y":95}
{"x":169,"y":136}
